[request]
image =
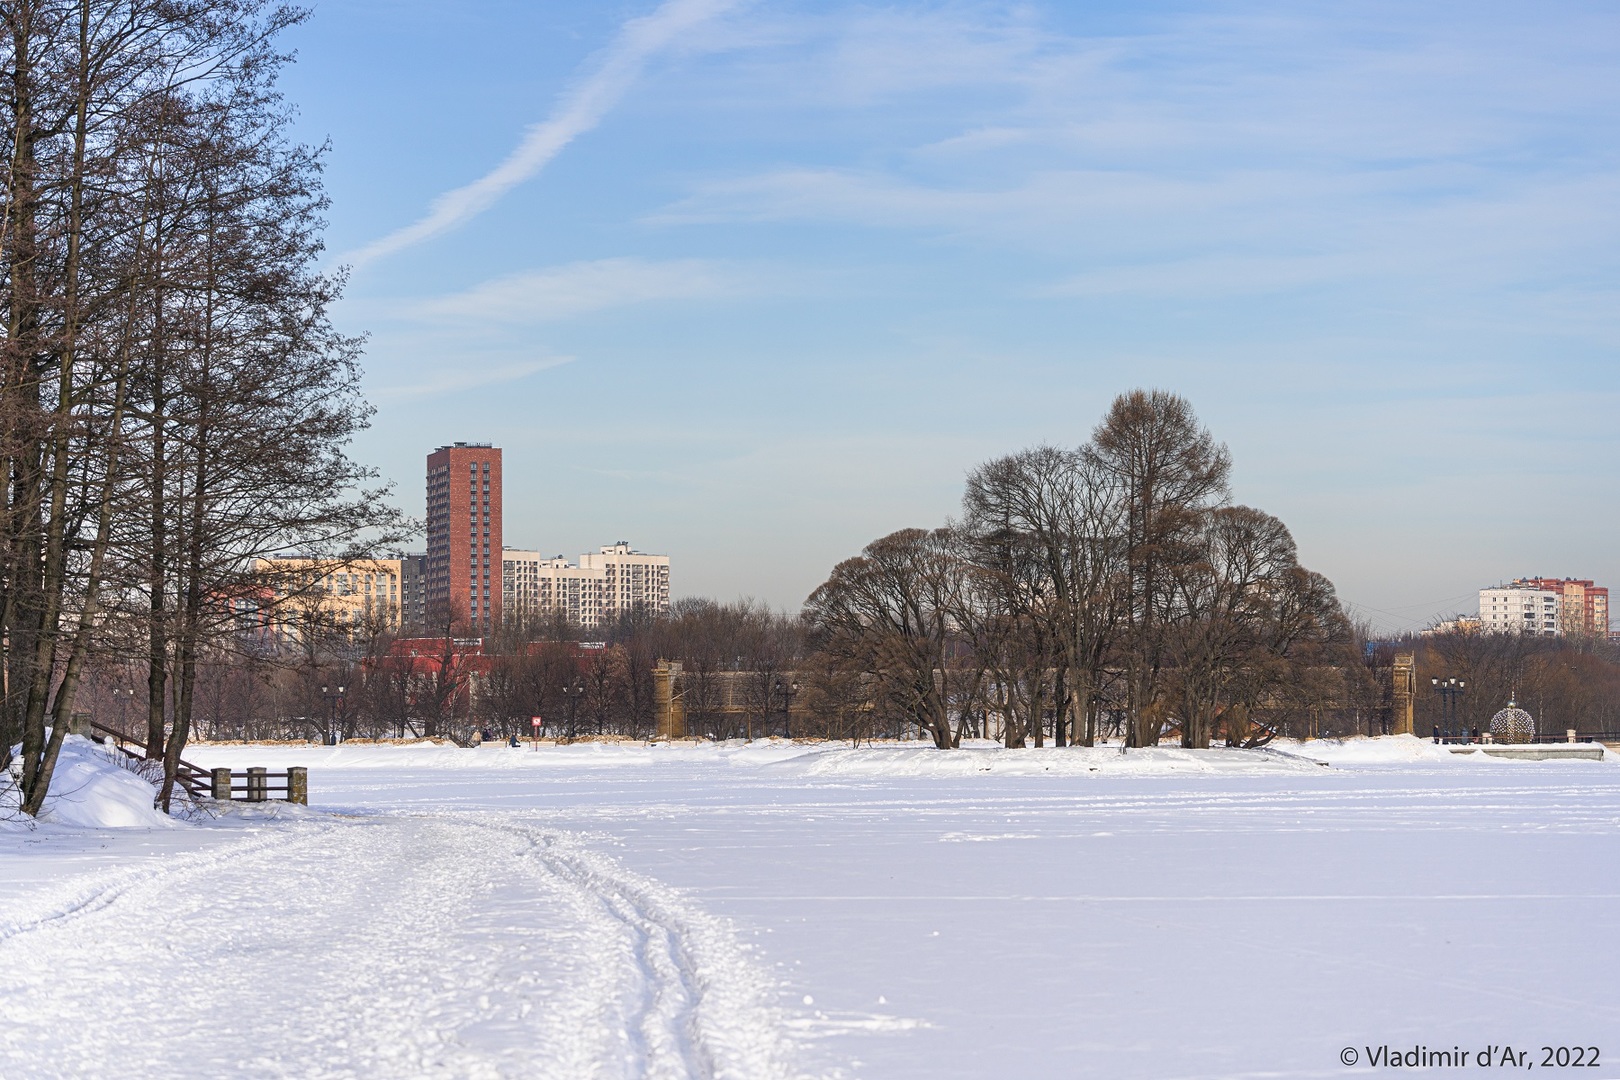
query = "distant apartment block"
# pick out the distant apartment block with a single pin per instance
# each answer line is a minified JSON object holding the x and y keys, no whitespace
{"x":1520,"y":609}
{"x":413,"y":589}
{"x":538,"y":585}
{"x":329,"y":595}
{"x":1462,"y":624}
{"x":606,"y":583}
{"x":463,"y":529}
{"x":634,"y":580}
{"x":1583,"y":608}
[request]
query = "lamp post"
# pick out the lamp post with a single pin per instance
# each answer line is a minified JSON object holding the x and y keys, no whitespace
{"x":1449,"y":690}
{"x":334,"y":705}
{"x":787,"y":690}
{"x":571,"y":694}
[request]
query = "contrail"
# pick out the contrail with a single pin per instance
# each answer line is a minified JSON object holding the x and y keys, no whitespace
{"x":579,"y":110}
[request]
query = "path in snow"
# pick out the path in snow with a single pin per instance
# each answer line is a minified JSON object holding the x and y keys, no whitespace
{"x":447,"y":945}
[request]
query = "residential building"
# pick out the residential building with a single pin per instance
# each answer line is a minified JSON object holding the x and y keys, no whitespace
{"x":1583,"y":607}
{"x":1520,"y":609}
{"x":536,"y":585}
{"x":634,"y":580}
{"x":348,"y":596}
{"x":1460,"y":624}
{"x":413,"y":589}
{"x":463,"y":528}
{"x":605,"y":584}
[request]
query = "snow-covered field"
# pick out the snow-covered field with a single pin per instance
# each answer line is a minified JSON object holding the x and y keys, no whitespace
{"x":773,"y":910}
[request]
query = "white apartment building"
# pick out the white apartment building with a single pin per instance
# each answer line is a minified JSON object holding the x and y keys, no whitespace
{"x":634,"y":580}
{"x":604,"y":584}
{"x":1518,"y":609}
{"x":535,"y":584}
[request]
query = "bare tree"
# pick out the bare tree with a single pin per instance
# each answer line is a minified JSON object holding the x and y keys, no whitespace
{"x":78,"y":228}
{"x":887,"y":613}
{"x":1170,"y":469}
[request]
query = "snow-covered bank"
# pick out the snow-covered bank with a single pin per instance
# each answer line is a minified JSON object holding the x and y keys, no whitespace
{"x":91,"y":789}
{"x":829,"y":759}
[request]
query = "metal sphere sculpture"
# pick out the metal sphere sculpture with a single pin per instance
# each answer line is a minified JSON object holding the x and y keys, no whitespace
{"x":1512,"y":725}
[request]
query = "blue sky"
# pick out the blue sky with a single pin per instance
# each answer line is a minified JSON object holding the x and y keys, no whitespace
{"x":753,"y":283}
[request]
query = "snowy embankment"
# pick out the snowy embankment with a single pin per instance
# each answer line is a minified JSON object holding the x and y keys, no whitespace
{"x":91,"y":789}
{"x":875,"y":760}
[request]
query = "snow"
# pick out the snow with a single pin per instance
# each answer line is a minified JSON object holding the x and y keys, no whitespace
{"x":784,"y":910}
{"x":90,"y":789}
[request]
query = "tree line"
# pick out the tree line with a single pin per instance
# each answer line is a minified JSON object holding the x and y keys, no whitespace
{"x":1565,"y":683}
{"x":1110,"y":591}
{"x":176,"y":400}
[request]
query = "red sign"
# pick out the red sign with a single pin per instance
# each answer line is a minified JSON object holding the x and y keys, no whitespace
{"x":535,"y":721}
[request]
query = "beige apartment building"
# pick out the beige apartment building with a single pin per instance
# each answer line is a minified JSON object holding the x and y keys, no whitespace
{"x":605,"y":584}
{"x":362,"y":594}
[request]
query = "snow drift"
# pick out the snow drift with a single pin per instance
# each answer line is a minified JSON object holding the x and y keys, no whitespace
{"x":91,"y":790}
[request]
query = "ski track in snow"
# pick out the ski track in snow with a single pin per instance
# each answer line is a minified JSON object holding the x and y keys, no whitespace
{"x":488,"y":948}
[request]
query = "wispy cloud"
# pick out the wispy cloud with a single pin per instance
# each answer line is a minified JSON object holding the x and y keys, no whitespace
{"x":579,"y":110}
{"x":580,"y":288}
{"x":471,"y":376}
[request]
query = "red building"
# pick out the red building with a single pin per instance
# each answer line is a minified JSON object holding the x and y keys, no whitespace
{"x":464,"y":536}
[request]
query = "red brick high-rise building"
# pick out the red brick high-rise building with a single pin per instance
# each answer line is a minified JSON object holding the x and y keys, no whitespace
{"x":464,"y":536}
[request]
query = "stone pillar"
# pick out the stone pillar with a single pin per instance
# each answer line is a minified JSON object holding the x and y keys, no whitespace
{"x":258,"y":785}
{"x":1405,"y":693}
{"x":298,"y":785}
{"x":668,"y":710}
{"x":220,"y":784}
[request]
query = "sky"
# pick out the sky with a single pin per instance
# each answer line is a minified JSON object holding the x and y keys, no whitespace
{"x":752,"y":284}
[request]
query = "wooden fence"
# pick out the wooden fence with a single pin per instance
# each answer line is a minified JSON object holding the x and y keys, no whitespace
{"x":221,"y":785}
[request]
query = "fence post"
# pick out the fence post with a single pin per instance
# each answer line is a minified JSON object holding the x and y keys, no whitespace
{"x":257,"y":785}
{"x":1569,"y":733}
{"x":298,"y":785}
{"x":221,"y":784}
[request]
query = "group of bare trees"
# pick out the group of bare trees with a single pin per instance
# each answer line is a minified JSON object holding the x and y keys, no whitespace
{"x":1564,"y":682}
{"x":1108,"y":590}
{"x":1112,"y":583}
{"x":740,"y":665}
{"x":176,"y":402}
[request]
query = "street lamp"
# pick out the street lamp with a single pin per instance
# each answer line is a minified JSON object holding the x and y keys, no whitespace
{"x":787,"y":690}
{"x":572,"y":693}
{"x":334,"y":706}
{"x":1449,"y":690}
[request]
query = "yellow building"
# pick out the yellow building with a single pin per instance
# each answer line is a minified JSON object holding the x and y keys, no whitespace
{"x":329,"y":593}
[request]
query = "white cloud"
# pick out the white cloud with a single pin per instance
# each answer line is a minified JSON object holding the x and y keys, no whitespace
{"x":581,"y":288}
{"x":467,"y":376}
{"x":578,"y":111}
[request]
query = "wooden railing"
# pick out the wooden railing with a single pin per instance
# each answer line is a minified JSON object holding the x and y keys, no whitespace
{"x":221,"y":785}
{"x":257,"y":784}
